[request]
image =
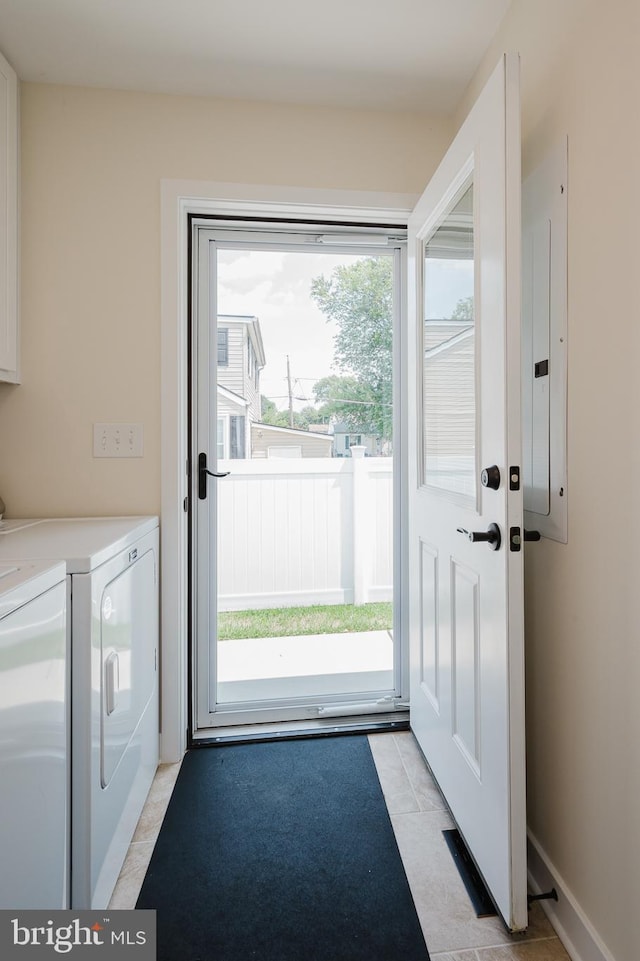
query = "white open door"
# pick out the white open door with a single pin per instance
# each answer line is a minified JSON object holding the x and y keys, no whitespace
{"x":465,"y":497}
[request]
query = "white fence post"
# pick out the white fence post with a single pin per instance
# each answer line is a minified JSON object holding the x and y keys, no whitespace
{"x":362,"y":512}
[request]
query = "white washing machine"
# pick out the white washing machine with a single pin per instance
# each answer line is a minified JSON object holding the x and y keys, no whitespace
{"x":34,"y":736}
{"x":113,"y":598}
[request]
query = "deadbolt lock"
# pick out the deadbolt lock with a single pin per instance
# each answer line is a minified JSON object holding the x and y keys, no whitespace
{"x":490,"y":477}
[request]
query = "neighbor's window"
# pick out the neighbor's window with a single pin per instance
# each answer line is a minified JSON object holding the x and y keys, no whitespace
{"x":223,"y":347}
{"x":236,"y":431}
{"x":220,"y":439}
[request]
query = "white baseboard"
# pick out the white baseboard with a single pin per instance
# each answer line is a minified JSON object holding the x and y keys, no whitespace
{"x":571,"y":924}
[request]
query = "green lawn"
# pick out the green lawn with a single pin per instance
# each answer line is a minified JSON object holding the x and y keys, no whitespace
{"x":286,"y":621}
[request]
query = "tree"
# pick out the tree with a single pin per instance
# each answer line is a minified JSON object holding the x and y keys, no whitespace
{"x":345,"y":400}
{"x":359,"y":298}
{"x":270,"y":413}
{"x":280,"y":418}
{"x":303,"y":419}
{"x":463,"y":310}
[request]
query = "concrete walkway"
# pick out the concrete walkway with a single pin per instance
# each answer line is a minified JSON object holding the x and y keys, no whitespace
{"x":306,"y":665}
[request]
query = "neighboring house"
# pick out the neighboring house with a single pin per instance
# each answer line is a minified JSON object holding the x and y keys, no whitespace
{"x":240,"y":360}
{"x":344,"y":439}
{"x":240,"y":434}
{"x":270,"y":441}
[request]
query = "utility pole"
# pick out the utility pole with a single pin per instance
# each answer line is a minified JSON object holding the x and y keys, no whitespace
{"x":290,"y":393}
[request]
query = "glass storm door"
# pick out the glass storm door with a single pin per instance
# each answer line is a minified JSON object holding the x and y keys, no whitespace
{"x":294,"y":498}
{"x":465,"y":498}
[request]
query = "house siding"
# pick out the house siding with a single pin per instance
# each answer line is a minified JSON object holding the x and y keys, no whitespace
{"x":231,"y":375}
{"x":251,"y":391}
{"x":235,"y":375}
{"x":263,"y":439}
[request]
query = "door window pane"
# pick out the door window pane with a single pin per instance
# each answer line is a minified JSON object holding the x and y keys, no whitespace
{"x":449,"y":379}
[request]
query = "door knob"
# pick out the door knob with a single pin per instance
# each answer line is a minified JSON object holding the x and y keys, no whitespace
{"x":492,"y":536}
{"x":490,"y":477}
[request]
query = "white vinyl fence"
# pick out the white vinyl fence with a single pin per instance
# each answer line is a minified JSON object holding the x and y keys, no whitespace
{"x":305,"y":531}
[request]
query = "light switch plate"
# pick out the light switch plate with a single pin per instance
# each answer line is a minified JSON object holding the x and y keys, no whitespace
{"x":118,"y":440}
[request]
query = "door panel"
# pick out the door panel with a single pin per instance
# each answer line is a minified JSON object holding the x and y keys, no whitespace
{"x":466,"y":589}
{"x":430,"y":667}
{"x":465,"y":662}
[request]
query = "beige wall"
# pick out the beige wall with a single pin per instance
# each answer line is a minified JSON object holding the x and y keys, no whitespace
{"x":580,"y":77}
{"x":92,"y":162}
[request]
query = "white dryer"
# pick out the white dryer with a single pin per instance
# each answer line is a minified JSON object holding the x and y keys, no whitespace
{"x":113,"y":595}
{"x":34,"y":736}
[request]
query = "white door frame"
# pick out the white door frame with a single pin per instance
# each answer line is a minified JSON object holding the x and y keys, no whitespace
{"x":178,"y":200}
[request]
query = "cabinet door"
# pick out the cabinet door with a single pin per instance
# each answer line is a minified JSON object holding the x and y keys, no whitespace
{"x":9,"y":346}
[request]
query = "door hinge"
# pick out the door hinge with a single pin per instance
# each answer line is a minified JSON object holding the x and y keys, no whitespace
{"x":514,"y":478}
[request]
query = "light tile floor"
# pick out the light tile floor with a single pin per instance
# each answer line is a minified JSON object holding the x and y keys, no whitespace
{"x":418,"y":815}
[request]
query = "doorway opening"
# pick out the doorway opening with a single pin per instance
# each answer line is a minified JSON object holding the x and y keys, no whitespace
{"x":295,"y":528}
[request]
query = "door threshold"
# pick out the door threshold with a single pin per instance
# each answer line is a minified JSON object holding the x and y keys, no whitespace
{"x":294,"y":730}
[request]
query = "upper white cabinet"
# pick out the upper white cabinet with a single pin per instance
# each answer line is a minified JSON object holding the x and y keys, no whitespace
{"x":9,"y":341}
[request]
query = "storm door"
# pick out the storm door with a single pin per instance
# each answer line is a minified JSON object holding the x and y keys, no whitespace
{"x":295,"y":498}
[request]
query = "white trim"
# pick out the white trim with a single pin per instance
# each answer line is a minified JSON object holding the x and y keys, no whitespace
{"x":231,"y":396}
{"x":569,"y":920}
{"x":256,"y":200}
{"x":180,"y":198}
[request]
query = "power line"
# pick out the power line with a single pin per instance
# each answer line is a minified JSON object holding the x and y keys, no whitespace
{"x":332,"y":400}
{"x":363,"y":403}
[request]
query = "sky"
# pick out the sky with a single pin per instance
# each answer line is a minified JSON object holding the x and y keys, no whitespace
{"x":275,"y":287}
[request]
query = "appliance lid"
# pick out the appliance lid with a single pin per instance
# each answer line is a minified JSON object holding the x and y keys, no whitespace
{"x":22,"y":581}
{"x":84,"y":543}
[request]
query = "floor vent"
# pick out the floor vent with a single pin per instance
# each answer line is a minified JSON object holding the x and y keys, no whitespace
{"x":474,"y":885}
